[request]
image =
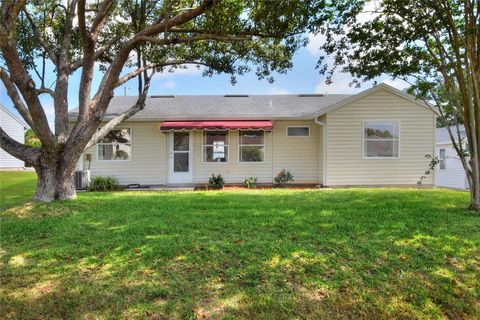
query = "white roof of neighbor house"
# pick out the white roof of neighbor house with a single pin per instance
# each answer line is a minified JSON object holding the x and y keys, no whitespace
{"x":223,"y":107}
{"x":442,"y":136}
{"x":20,"y":121}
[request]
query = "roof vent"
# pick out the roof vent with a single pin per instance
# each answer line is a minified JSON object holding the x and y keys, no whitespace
{"x":164,"y":96}
{"x":309,"y":95}
{"x":236,"y":96}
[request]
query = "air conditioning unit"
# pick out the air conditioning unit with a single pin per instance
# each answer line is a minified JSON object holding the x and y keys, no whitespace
{"x":82,"y":179}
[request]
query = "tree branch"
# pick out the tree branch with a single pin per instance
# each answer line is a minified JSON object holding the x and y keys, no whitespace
{"x":15,"y":96}
{"x":100,"y":52}
{"x":27,"y":88}
{"x":10,"y":11}
{"x":94,"y":111}
{"x":194,"y":38}
{"x":100,"y":18}
{"x":45,"y":46}
{"x":48,"y":91}
{"x":139,"y":105}
{"x":138,"y":71}
{"x":28,"y":154}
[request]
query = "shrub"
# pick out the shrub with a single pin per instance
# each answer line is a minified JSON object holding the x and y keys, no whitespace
{"x":216,"y":181}
{"x":250,"y":182}
{"x":100,"y":183}
{"x":283,"y":177}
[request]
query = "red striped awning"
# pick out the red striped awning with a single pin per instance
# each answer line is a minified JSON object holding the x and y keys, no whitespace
{"x":266,"y":125}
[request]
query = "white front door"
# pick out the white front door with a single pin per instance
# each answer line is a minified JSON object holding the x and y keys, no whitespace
{"x":180,"y":157}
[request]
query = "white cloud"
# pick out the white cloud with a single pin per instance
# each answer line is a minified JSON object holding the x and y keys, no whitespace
{"x":316,"y":40}
{"x":397,"y":83}
{"x":314,"y":43}
{"x":341,"y":84}
{"x":170,"y":84}
{"x":189,"y":69}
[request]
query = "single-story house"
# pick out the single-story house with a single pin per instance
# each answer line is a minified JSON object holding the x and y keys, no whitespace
{"x":377,"y":137}
{"x":449,"y":172}
{"x":15,"y":128}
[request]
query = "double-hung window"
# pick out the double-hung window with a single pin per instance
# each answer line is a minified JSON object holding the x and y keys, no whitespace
{"x":215,"y":146}
{"x":381,"y":140}
{"x":117,"y":145}
{"x":252,"y":146}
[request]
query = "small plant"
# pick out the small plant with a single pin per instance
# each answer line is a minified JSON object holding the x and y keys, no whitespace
{"x":283,"y":177}
{"x":216,"y":181}
{"x":434,"y":161}
{"x":250,"y":182}
{"x":100,"y":183}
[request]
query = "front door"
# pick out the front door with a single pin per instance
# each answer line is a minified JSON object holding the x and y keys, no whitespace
{"x":180,"y":158}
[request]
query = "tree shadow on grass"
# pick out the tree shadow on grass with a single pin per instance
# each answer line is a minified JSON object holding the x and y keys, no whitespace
{"x":256,"y":254}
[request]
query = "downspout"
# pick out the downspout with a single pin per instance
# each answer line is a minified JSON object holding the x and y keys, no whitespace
{"x":324,"y":145}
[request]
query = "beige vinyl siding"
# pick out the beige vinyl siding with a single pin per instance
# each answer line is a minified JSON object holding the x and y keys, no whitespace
{"x":232,"y":171}
{"x":299,"y":155}
{"x":148,"y":164}
{"x":345,"y":162}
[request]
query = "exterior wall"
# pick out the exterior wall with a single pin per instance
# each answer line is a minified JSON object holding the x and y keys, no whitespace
{"x":148,"y":164}
{"x":150,"y":148}
{"x":232,"y":171}
{"x":345,"y":162}
{"x":299,"y":155}
{"x":17,"y":132}
{"x":453,"y":176}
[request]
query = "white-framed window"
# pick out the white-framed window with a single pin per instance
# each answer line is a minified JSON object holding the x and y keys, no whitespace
{"x":298,"y":131}
{"x":442,"y":158}
{"x":251,"y":146}
{"x":381,"y":139}
{"x":116,"y":145}
{"x":215,"y":146}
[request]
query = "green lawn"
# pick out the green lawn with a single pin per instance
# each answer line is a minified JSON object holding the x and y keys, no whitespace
{"x":266,"y":254}
{"x":16,"y":187}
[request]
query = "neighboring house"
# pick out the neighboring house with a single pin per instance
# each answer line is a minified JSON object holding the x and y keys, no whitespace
{"x":15,"y":128}
{"x":449,"y":172}
{"x":377,"y":137}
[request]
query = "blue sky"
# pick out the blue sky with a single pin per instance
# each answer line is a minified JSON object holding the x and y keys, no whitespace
{"x":303,"y":78}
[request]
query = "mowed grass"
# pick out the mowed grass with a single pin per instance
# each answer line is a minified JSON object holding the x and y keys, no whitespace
{"x":260,"y":254}
{"x":16,"y":187}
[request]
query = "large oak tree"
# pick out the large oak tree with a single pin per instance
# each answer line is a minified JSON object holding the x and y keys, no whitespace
{"x":432,"y":44}
{"x":139,"y":36}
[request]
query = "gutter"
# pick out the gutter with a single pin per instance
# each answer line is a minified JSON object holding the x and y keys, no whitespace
{"x":324,"y":132}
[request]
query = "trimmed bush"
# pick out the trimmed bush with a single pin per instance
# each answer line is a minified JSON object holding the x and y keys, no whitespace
{"x":216,"y":181}
{"x":250,"y":182}
{"x":283,"y":177}
{"x":100,"y":183}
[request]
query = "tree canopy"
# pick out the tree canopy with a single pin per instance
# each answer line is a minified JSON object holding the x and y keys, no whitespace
{"x":432,"y":44}
{"x":139,"y":37}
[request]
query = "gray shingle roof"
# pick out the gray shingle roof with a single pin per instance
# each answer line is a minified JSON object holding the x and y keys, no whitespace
{"x":223,"y":107}
{"x":443,"y":136}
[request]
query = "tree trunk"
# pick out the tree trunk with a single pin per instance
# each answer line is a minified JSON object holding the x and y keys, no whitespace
{"x":474,"y":197}
{"x":474,"y":185}
{"x":55,"y":179}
